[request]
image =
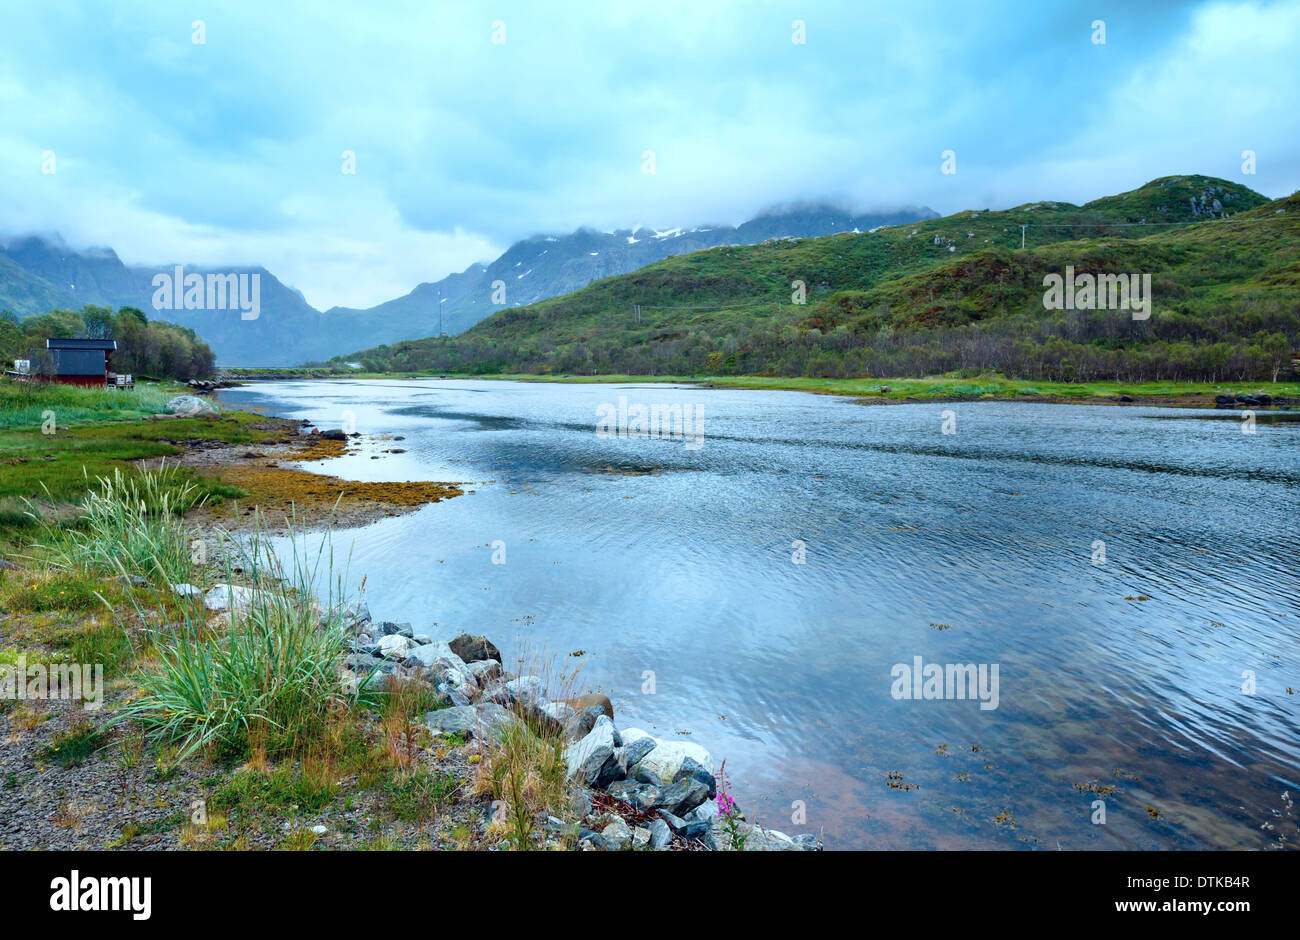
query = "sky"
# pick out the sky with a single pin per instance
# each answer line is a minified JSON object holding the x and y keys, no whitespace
{"x":475,"y":124}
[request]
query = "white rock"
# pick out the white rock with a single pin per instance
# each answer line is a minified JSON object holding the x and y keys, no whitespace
{"x":189,"y":406}
{"x":562,"y":712}
{"x":320,"y":830}
{"x":228,"y":597}
{"x":394,"y":646}
{"x":527,"y":689}
{"x":617,"y":834}
{"x":186,"y":590}
{"x":666,"y":758}
{"x":586,"y":757}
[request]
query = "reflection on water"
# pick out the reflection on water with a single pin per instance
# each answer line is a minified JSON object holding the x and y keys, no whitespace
{"x":983,"y":546}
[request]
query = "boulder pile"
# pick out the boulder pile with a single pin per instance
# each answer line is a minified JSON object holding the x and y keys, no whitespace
{"x":629,"y":788}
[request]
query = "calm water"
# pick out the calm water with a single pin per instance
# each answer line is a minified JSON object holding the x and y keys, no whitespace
{"x":972,"y":547}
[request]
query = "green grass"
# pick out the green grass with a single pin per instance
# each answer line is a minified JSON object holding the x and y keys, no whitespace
{"x":29,"y":405}
{"x":268,"y":680}
{"x":416,"y":796}
{"x":73,"y":747}
{"x":130,"y":525}
{"x":95,"y":434}
{"x":284,"y":789}
{"x":58,"y":591}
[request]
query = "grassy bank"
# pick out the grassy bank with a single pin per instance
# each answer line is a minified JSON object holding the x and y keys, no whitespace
{"x":238,"y":728}
{"x":231,"y":729}
{"x":57,"y":440}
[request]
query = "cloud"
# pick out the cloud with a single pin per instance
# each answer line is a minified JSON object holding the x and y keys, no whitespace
{"x":231,"y":151}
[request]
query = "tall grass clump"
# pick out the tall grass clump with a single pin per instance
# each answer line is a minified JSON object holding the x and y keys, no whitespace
{"x":266,"y":680}
{"x":24,"y":404}
{"x":130,"y":524}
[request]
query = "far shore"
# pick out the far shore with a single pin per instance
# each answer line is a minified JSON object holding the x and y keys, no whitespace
{"x":1282,"y":395}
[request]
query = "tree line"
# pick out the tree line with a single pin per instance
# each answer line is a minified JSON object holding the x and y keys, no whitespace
{"x":1253,"y":342}
{"x":149,"y":348}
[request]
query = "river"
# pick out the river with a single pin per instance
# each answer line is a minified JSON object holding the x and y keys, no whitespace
{"x":759,"y":588}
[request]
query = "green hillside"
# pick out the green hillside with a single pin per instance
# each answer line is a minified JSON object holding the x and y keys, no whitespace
{"x":954,"y":293}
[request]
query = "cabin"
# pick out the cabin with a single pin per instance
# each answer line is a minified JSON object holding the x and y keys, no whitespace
{"x":81,"y":361}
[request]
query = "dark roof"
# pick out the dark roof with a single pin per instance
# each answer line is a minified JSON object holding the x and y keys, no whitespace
{"x":81,"y":344}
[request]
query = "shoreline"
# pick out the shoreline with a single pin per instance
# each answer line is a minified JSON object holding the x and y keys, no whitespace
{"x":417,"y":744}
{"x":1284,"y":396}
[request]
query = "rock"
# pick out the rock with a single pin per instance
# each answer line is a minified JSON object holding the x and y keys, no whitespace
{"x":580,"y":803}
{"x":640,"y":796}
{"x":445,"y":667}
{"x":527,"y":690}
{"x":758,"y":839}
{"x":683,"y":796}
{"x":189,"y":406}
{"x":363,"y":664}
{"x":640,"y":837}
{"x":660,"y":835}
{"x":228,"y":597}
{"x":185,"y":590}
{"x":478,"y":722}
{"x":591,"y":761}
{"x":358,"y":618}
{"x":421,"y":639}
{"x":484,"y":670}
{"x":691,"y":768}
{"x":320,"y":830}
{"x":582,"y":723}
{"x":617,"y":835}
{"x":334,"y":435}
{"x":647,"y":776}
{"x":584,"y":702}
{"x":394,"y":646}
{"x":682,"y":828}
{"x":473,"y":649}
{"x":707,"y":811}
{"x":560,"y":711}
{"x":1223,"y":399}
{"x":394,"y":629}
{"x":636,"y":749}
{"x":666,"y":758}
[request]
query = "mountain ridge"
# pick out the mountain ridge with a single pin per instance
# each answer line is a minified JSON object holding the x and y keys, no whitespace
{"x":957,"y":292}
{"x":41,"y":272}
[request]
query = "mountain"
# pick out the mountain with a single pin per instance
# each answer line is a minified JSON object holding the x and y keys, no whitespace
{"x":549,"y":265}
{"x":40,"y":273}
{"x":952,"y":293}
